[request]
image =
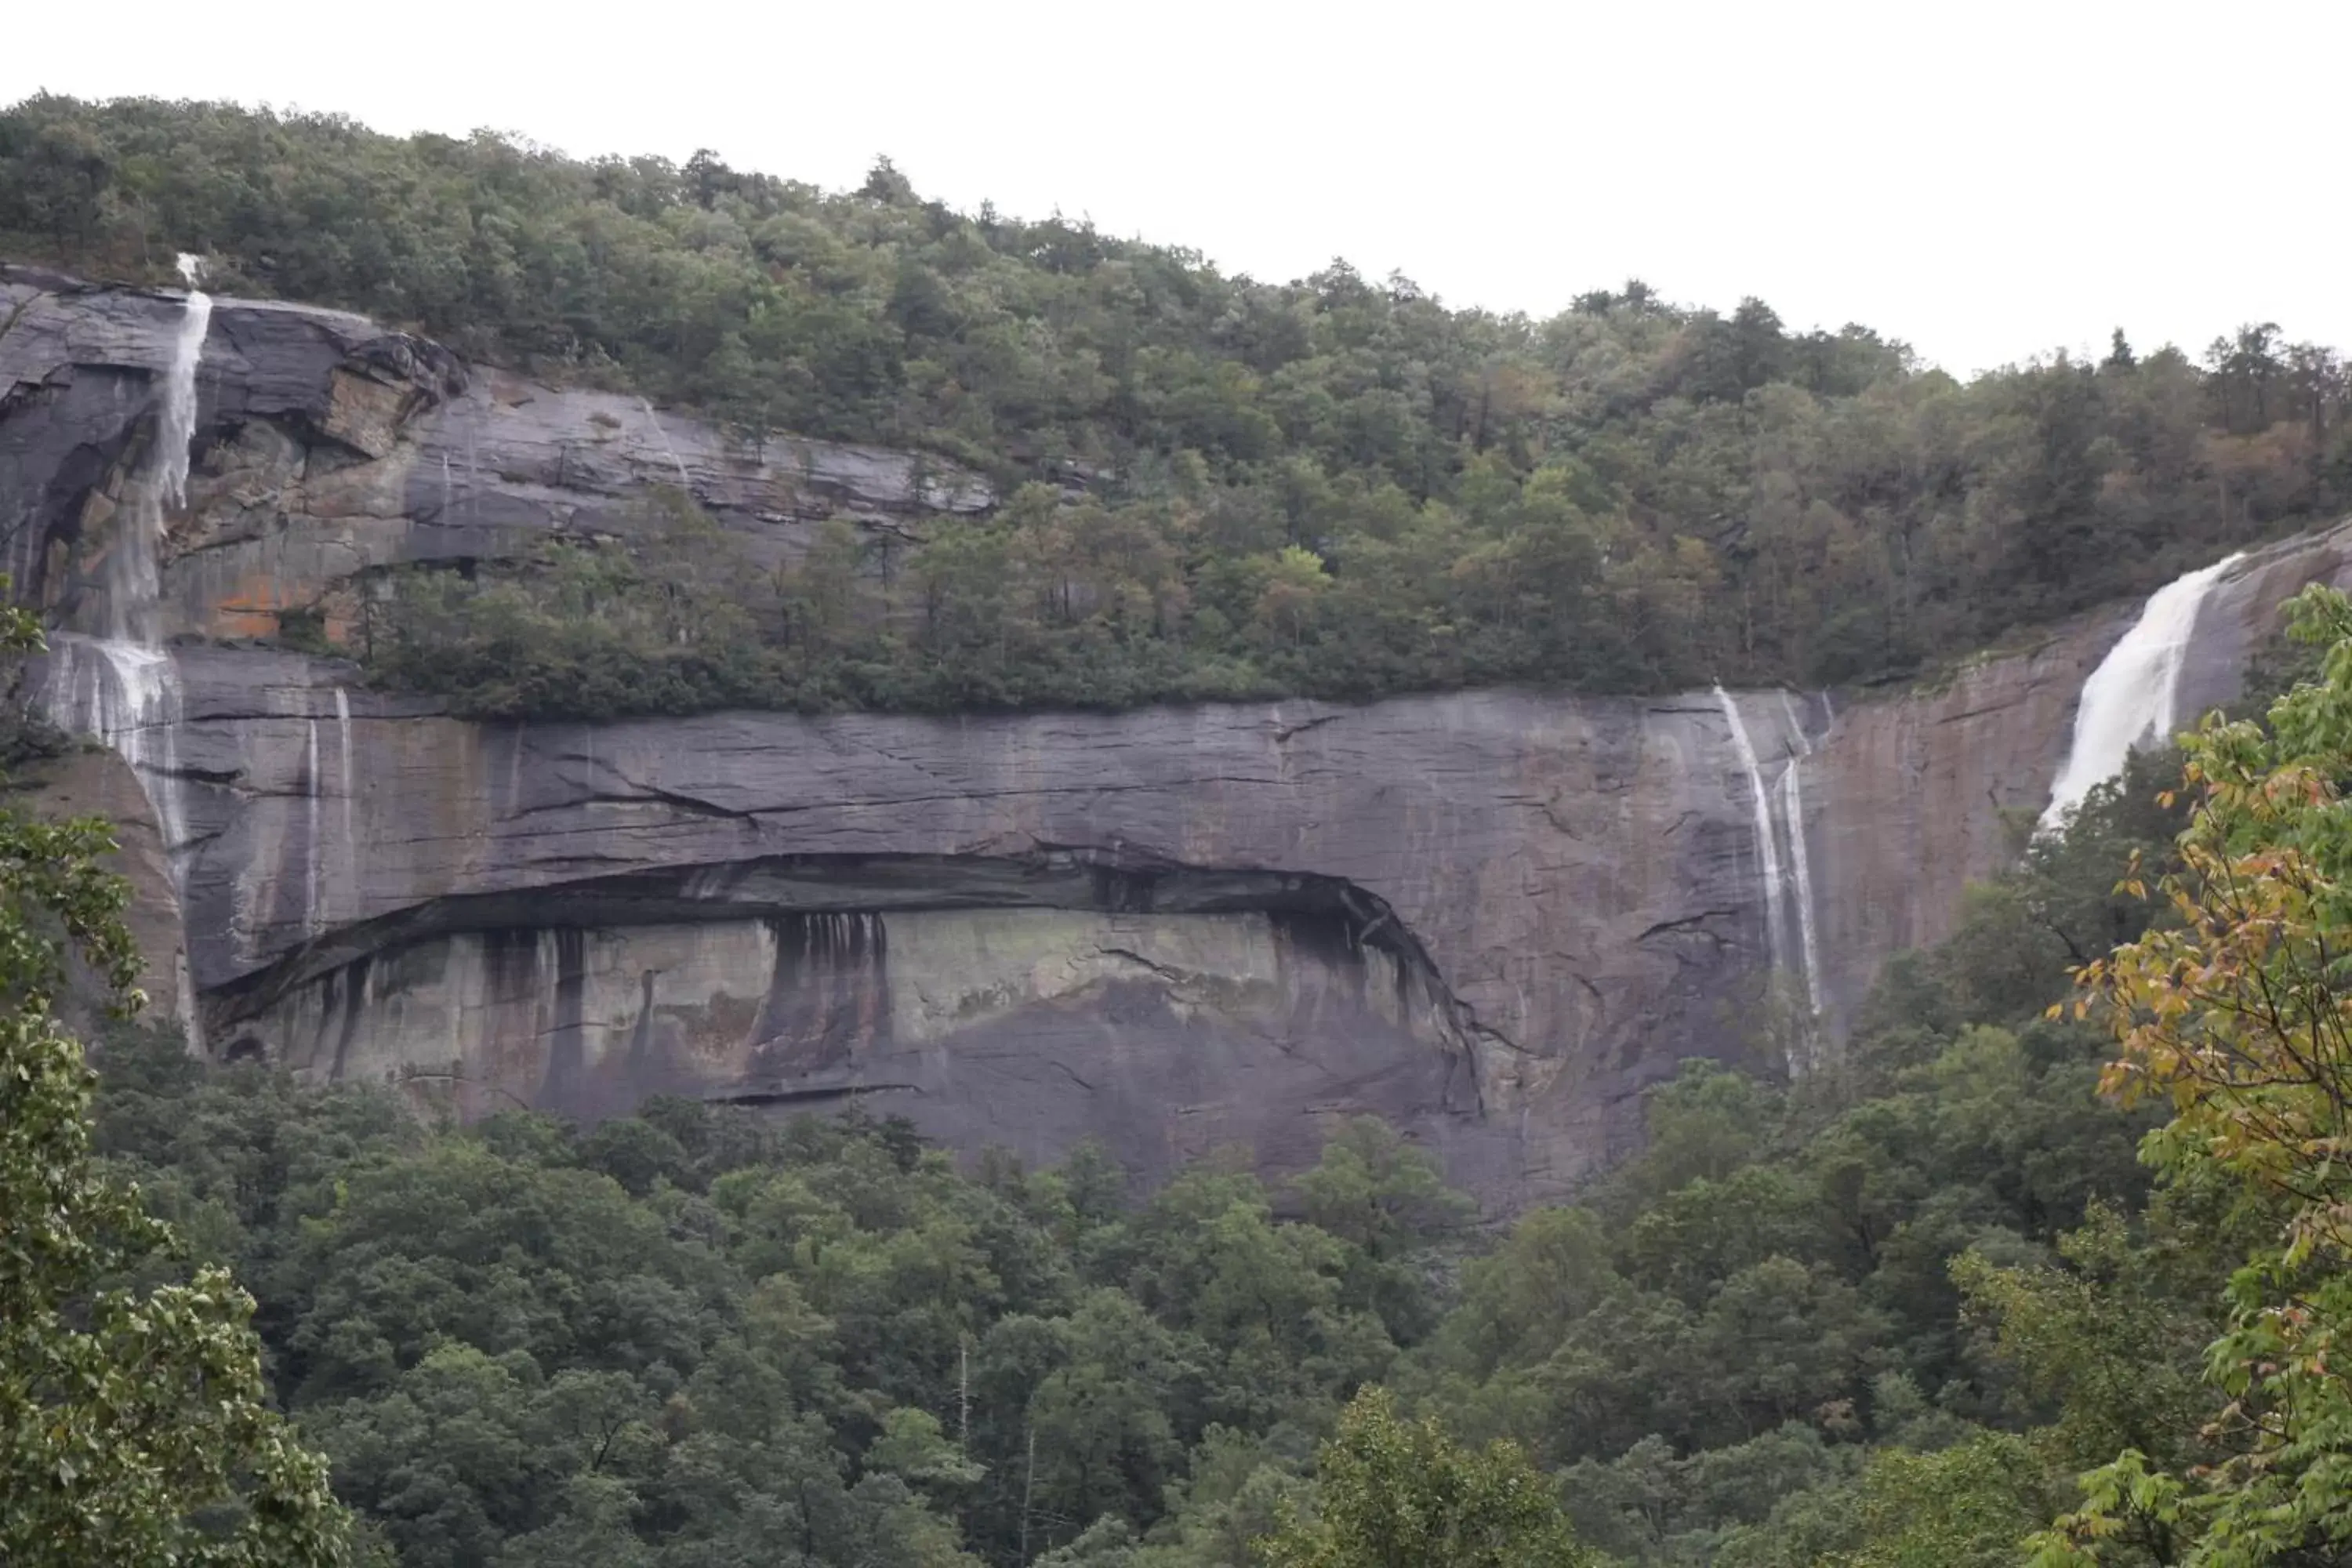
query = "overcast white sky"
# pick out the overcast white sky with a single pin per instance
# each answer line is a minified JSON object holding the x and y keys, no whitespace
{"x":1988,"y":179}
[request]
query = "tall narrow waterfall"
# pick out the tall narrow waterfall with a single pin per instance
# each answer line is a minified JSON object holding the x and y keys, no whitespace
{"x":2131,"y":699}
{"x":1781,"y":850}
{"x":1801,"y":863}
{"x":1767,"y":847}
{"x":344,"y":744}
{"x":319,"y":853}
{"x":313,"y":852}
{"x":133,"y":586}
{"x":123,"y":687}
{"x":179,"y":411}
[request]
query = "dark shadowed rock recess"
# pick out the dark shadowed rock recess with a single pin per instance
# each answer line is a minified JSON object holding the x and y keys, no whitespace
{"x":1492,"y":917}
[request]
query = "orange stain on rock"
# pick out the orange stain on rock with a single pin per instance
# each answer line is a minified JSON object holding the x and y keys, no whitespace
{"x":256,"y":606}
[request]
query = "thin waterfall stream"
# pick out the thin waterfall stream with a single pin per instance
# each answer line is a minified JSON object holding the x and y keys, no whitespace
{"x":123,"y":687}
{"x":1782,"y":853}
{"x":1801,"y":864}
{"x":1767,"y":847}
{"x":314,"y":887}
{"x":344,"y":744}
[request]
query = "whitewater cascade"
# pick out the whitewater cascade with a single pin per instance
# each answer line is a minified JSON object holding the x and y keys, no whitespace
{"x":123,"y":687}
{"x":2131,"y":700}
{"x":1781,"y":850}
{"x":1768,"y":846}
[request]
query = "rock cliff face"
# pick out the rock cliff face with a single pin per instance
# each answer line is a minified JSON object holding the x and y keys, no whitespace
{"x":1493,"y":917}
{"x":330,"y":446}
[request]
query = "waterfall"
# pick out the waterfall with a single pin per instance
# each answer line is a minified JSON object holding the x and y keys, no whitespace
{"x":123,"y":688}
{"x":1801,"y":869}
{"x":1779,"y":813}
{"x":1800,"y":866}
{"x":1799,"y":741}
{"x":2131,"y":698}
{"x":126,"y":695}
{"x":343,"y":744}
{"x":1767,"y":848}
{"x":313,"y":882}
{"x":178,"y":416}
{"x":662,"y":435}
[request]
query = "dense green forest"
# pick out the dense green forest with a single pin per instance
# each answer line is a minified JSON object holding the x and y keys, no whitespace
{"x":1216,"y":486}
{"x":1885,"y":1315}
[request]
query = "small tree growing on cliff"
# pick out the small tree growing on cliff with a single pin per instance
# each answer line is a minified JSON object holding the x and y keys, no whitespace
{"x":132,"y":1425}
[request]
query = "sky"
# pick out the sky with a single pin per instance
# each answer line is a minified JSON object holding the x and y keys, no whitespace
{"x":1987,"y":180}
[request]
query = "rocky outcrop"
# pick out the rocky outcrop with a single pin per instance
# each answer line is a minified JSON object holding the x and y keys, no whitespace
{"x":332,"y":446}
{"x":1569,"y":881}
{"x":1493,"y":917}
{"x":88,"y":781}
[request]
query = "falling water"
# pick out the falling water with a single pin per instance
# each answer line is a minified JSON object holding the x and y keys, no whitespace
{"x":661,"y":434}
{"x":123,"y":688}
{"x":1767,"y":847}
{"x":344,"y":741}
{"x":125,"y":695}
{"x":2131,"y":698}
{"x":178,"y":413}
{"x":1800,"y":866}
{"x":1799,"y":742}
{"x":313,"y":853}
{"x":1801,"y":869}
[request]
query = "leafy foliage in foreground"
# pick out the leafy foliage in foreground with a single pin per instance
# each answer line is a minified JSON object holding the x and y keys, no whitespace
{"x":2234,"y":1018}
{"x":133,"y":1426}
{"x":1334,"y":485}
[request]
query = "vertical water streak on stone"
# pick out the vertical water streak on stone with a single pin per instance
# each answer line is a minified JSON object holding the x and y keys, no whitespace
{"x":178,"y":416}
{"x":176,"y":437}
{"x":1768,"y":850}
{"x":2132,"y":696}
{"x":351,"y":839}
{"x":661,"y":434}
{"x":359,"y":993}
{"x":1792,"y":811}
{"x":128,"y":695}
{"x":874,"y":963}
{"x":313,"y":852}
{"x":184,"y":994}
{"x":1799,"y":742}
{"x":561,"y":956}
{"x":128,"y":698}
{"x":1800,"y":865}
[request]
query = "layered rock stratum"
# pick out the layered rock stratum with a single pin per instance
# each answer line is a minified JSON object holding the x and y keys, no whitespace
{"x":1491,"y":917}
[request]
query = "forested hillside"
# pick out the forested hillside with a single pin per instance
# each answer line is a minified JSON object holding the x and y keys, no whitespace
{"x":1217,"y":486}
